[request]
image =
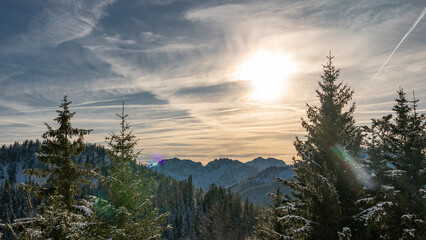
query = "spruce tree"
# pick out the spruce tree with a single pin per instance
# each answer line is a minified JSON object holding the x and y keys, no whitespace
{"x":127,"y":211}
{"x":269,"y":222}
{"x":325,"y":187}
{"x":407,"y":146}
{"x":60,"y":147}
{"x":61,"y":215}
{"x":377,"y":211}
{"x":397,"y":156}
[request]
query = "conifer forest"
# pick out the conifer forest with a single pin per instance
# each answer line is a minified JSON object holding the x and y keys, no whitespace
{"x":212,"y":120}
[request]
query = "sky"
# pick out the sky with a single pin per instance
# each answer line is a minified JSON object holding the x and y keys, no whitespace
{"x":177,"y":65}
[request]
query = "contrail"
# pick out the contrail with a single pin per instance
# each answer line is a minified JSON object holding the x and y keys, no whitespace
{"x":399,"y":44}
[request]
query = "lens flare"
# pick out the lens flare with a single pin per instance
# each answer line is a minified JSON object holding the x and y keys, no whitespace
{"x":360,"y":173}
{"x":157,"y":160}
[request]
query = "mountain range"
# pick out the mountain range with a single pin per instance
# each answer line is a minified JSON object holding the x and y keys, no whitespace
{"x":252,"y":180}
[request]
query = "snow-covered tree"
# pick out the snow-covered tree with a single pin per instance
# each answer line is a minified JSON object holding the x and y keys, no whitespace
{"x":325,"y":187}
{"x":61,"y":215}
{"x":59,"y":148}
{"x":269,"y":222}
{"x":396,"y":209}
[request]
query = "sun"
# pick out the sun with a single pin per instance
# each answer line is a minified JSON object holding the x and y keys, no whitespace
{"x":267,"y":72}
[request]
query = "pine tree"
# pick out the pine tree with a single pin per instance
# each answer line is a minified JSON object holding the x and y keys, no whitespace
{"x":221,"y":215}
{"x":248,"y":218}
{"x":377,"y":211}
{"x":127,"y":211}
{"x":60,"y":215}
{"x":407,"y":146}
{"x":396,"y":148}
{"x":59,"y":149}
{"x":182,"y":201}
{"x":325,"y":187}
{"x":269,"y":223}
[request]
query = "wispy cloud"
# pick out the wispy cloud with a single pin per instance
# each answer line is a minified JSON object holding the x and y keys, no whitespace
{"x":173,"y":64}
{"x":56,"y":22}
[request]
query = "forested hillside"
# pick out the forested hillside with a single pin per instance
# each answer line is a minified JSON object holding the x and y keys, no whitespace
{"x":252,"y":180}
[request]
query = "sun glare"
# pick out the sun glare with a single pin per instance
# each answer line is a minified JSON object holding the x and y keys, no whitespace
{"x":267,"y":72}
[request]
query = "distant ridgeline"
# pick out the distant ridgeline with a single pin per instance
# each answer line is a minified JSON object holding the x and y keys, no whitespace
{"x":252,"y":180}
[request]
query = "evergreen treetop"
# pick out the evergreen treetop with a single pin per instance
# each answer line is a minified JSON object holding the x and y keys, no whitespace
{"x":59,"y":148}
{"x":127,"y":211}
{"x":396,"y":149}
{"x":60,"y":215}
{"x":325,"y":187}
